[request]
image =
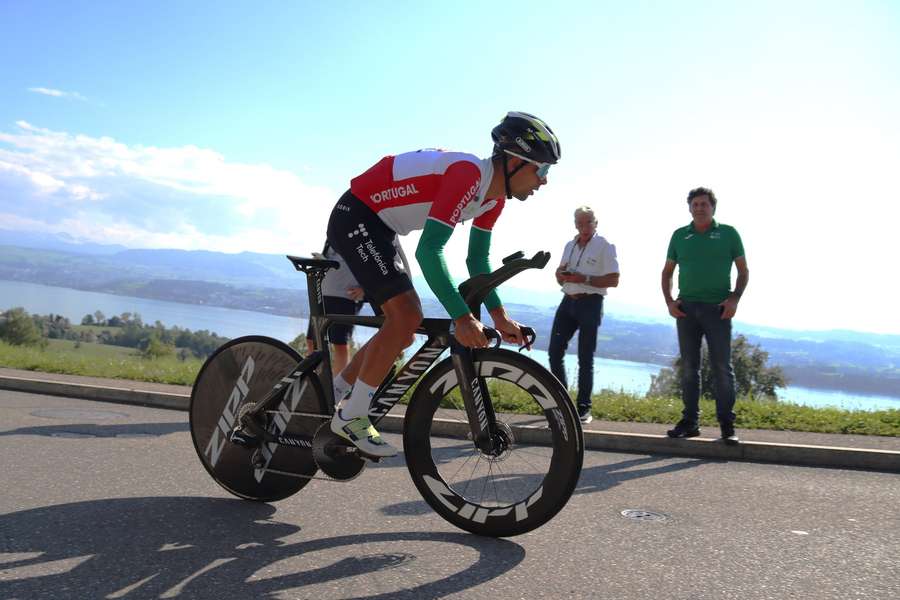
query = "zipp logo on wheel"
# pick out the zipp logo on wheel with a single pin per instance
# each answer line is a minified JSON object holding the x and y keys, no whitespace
{"x":229,"y":413}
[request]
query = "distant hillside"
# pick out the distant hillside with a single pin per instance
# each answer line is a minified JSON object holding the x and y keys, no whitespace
{"x":48,"y":241}
{"x":97,"y":272}
{"x":266,"y":283}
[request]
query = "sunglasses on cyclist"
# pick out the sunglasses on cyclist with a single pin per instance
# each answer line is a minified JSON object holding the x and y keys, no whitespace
{"x":542,"y":168}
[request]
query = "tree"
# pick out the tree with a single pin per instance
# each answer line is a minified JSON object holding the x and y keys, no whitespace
{"x":99,"y":318}
{"x":19,"y":329}
{"x":752,"y":376}
{"x":87,"y":320}
{"x":156,"y":349}
{"x":299,"y":343}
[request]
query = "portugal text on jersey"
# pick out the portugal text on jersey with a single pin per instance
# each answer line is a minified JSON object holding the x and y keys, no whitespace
{"x":407,"y":189}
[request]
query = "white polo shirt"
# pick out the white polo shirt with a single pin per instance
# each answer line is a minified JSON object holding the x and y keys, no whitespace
{"x":338,"y":281}
{"x":597,"y":257}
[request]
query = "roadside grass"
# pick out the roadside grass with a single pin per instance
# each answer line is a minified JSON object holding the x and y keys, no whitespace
{"x":100,"y":360}
{"x":751,"y":413}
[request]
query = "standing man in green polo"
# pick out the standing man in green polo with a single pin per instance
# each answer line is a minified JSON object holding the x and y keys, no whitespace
{"x":704,"y":251}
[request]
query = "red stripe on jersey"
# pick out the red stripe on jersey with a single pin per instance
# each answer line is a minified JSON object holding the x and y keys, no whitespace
{"x":377,"y":186}
{"x":406,"y":189}
{"x":458,"y":189}
{"x":488,"y":219}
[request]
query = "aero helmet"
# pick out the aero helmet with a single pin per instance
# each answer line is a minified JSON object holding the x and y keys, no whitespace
{"x":525,"y":136}
{"x":528,"y":136}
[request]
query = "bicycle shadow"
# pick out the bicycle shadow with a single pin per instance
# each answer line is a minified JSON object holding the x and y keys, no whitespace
{"x":593,"y":479}
{"x":76,"y":430}
{"x":212,"y":548}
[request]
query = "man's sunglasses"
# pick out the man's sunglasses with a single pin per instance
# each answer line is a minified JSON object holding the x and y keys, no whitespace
{"x":542,"y":168}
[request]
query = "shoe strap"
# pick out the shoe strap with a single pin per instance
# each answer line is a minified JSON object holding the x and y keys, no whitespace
{"x":361,"y":427}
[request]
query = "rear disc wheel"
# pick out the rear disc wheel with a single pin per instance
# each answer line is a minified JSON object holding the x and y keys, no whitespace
{"x":241,"y":372}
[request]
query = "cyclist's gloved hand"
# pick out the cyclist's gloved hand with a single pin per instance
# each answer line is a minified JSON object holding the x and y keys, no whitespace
{"x":468,"y":332}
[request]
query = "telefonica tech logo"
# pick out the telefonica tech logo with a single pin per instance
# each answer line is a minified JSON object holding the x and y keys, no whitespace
{"x":360,"y":231}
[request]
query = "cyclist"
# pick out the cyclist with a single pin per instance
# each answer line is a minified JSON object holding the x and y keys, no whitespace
{"x":432,"y":190}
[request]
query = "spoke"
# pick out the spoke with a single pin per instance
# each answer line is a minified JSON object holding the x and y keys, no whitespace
{"x":453,"y":477}
{"x":530,"y":450}
{"x":504,"y":477}
{"x":472,"y":478}
{"x":536,"y":469}
{"x":486,"y":478}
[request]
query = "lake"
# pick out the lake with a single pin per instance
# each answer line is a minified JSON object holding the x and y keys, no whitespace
{"x":633,"y":377}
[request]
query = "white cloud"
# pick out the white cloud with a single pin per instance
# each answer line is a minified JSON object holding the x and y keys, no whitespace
{"x":186,"y":197}
{"x":57,"y":93}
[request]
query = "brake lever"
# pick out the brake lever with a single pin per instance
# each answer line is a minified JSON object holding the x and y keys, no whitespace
{"x":529,"y":335}
{"x":492,"y":334}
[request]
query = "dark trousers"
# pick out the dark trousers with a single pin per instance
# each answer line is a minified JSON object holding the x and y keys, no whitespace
{"x":584,"y":315}
{"x":703,"y":320}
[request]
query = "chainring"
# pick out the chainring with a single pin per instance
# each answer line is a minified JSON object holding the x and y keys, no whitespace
{"x":336,"y":457}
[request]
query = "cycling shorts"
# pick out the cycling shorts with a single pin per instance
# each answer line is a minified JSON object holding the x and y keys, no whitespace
{"x":366,"y":243}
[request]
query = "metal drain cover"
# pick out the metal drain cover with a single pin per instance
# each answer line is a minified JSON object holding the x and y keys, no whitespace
{"x":636,"y":514}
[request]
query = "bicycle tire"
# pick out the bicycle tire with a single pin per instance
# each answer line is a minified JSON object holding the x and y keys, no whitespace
{"x":242,"y":371}
{"x":449,"y":474}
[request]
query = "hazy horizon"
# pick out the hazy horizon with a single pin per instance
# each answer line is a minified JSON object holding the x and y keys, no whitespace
{"x":548,"y":299}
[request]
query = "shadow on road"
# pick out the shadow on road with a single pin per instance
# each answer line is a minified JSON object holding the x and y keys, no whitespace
{"x":593,"y":479}
{"x":215,"y":548}
{"x":603,"y":477}
{"x":76,"y":430}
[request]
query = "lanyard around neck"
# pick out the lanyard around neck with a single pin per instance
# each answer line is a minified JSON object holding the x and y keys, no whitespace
{"x":572,"y":251}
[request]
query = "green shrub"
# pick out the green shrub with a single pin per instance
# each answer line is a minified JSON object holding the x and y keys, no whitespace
{"x":19,"y":329}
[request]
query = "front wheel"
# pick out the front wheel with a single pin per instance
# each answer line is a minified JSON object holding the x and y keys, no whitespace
{"x":530,"y":478}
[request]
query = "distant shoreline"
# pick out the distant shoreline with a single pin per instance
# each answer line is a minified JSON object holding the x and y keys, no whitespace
{"x":808,"y":376}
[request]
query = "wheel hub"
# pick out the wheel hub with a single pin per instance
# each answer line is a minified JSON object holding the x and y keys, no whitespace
{"x":503,"y":442}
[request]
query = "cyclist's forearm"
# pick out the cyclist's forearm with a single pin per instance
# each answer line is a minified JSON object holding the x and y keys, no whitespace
{"x":478,"y":263}
{"x":430,"y":254}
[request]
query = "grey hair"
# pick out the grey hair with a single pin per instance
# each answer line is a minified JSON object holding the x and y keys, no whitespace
{"x":585,"y":210}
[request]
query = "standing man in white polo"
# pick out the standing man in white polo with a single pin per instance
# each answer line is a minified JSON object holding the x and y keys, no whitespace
{"x":589,"y":266}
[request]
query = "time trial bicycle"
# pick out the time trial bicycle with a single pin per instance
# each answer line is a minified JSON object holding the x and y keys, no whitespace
{"x":260,"y":417}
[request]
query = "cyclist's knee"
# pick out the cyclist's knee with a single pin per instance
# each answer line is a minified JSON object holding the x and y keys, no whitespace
{"x":403,"y":326}
{"x":403,"y":314}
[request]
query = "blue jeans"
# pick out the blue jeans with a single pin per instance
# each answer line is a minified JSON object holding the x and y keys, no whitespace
{"x":584,"y":315}
{"x":703,"y":320}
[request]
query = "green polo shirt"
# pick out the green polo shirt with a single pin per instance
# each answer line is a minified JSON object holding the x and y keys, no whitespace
{"x":704,"y":261}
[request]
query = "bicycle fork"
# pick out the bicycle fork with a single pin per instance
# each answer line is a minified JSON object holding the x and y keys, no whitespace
{"x":479,"y":408}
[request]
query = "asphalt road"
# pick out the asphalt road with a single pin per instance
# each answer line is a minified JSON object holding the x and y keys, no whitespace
{"x":110,"y":501}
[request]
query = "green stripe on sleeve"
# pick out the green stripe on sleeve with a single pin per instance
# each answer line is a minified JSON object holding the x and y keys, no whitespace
{"x":430,"y":254}
{"x":478,"y":263}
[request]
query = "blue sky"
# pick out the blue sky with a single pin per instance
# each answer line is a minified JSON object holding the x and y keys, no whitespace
{"x":235,"y":126}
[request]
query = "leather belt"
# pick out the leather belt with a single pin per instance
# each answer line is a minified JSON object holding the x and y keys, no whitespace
{"x":579,"y":296}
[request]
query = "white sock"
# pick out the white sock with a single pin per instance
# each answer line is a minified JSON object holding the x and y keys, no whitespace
{"x":358,"y":403}
{"x":341,"y":387}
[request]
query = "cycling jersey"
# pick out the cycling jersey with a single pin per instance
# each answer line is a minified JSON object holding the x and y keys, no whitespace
{"x":407,"y":189}
{"x":431,"y":190}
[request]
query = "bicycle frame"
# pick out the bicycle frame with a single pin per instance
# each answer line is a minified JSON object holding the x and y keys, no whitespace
{"x":474,"y":392}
